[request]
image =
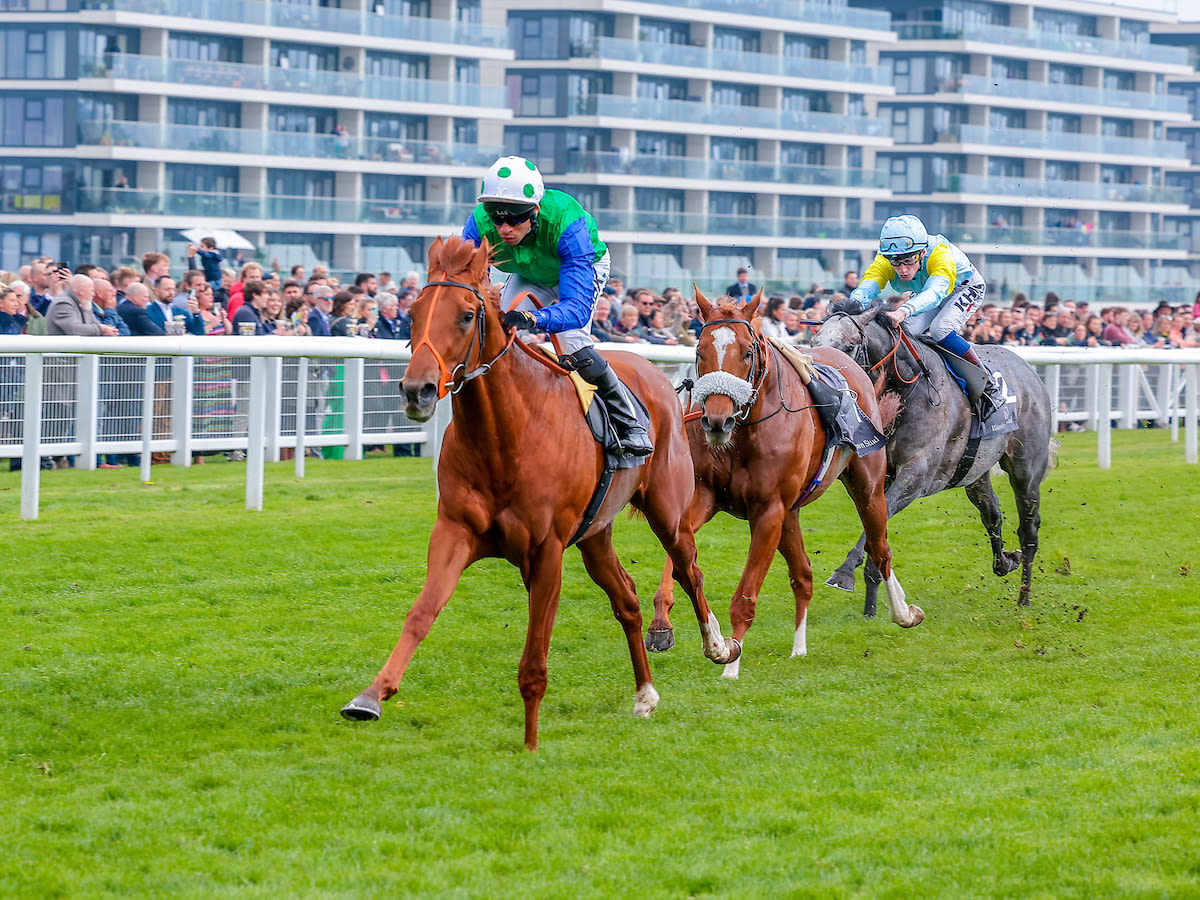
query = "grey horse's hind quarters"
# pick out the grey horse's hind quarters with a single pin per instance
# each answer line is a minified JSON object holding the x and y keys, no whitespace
{"x":929,"y":450}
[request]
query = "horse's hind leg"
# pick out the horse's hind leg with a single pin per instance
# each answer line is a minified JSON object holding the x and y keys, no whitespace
{"x":605,"y":569}
{"x":984,"y":497}
{"x":843,"y":576}
{"x":660,"y":636}
{"x":1026,"y":487}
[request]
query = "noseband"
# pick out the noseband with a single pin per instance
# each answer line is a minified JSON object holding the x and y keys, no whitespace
{"x":448,"y":383}
{"x":743,"y":392}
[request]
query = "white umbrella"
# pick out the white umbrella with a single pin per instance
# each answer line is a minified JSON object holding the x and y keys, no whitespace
{"x":226,"y":238}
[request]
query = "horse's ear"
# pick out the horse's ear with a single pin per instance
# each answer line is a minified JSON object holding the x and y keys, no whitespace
{"x":752,"y":306}
{"x":480,"y":262}
{"x":702,"y":302}
{"x":434,"y":256}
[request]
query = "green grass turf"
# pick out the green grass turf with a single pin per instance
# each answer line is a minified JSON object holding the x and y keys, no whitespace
{"x":172,"y":669}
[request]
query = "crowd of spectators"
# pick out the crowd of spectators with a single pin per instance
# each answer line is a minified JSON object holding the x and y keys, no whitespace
{"x":203,"y":297}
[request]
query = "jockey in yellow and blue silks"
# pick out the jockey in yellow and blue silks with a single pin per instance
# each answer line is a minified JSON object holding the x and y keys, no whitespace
{"x":941,"y":286}
{"x":548,"y":244}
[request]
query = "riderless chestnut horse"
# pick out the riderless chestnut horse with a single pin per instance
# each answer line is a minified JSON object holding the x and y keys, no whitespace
{"x":757,"y":443}
{"x":517,"y":471}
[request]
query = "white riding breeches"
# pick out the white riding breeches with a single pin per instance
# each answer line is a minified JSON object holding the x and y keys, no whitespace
{"x":951,"y":316}
{"x":573,"y":338}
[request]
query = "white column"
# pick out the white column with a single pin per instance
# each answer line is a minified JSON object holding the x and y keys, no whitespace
{"x":352,"y":417}
{"x":31,"y":460}
{"x":183,"y":392}
{"x":87,"y":408}
{"x":254,"y":435}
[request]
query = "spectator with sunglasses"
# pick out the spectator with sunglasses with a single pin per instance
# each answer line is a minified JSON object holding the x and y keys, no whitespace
{"x":941,"y":287}
{"x":549,"y":246}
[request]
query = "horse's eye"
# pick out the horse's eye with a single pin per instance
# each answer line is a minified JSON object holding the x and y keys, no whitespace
{"x":468,"y":317}
{"x":749,"y":354}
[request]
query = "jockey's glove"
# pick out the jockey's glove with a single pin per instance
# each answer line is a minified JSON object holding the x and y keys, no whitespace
{"x":520,"y":320}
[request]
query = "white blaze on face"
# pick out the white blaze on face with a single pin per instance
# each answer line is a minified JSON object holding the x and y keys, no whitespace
{"x":723,"y":337}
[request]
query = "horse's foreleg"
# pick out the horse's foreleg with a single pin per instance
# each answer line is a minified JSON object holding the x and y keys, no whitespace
{"x":545,"y":587}
{"x":864,"y":480}
{"x":791,"y":545}
{"x":661,"y":634}
{"x":451,"y":550}
{"x":766,"y":528}
{"x":605,"y":569}
{"x":981,"y":493}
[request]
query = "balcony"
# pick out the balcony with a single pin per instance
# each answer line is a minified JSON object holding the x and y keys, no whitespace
{"x":797,"y":10}
{"x":295,"y":210}
{"x":1045,"y":40}
{"x":1087,"y":191}
{"x":315,"y":19}
{"x":693,"y":169}
{"x":1064,"y":93}
{"x":226,"y":76}
{"x":194,"y":138}
{"x":1063,"y":141}
{"x":640,"y":108}
{"x":1072,"y":238}
{"x":723,"y":225}
{"x":689,"y":57}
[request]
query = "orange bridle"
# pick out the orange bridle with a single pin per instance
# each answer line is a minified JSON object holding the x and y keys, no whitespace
{"x":450,"y":380}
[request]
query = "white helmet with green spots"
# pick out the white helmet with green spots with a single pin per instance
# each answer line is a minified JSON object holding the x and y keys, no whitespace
{"x":513,"y":181}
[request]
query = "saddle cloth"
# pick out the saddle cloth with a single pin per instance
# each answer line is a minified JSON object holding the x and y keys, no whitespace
{"x":1003,"y":420}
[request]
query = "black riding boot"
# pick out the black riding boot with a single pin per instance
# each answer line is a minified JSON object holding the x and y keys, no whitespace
{"x":594,"y":369}
{"x":992,"y":398}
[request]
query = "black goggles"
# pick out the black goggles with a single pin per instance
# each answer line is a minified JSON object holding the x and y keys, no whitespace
{"x":508,"y":217}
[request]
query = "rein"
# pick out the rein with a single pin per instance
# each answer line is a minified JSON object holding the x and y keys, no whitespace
{"x":901,"y":338}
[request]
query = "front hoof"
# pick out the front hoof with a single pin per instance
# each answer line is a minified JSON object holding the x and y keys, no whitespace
{"x":916,"y":616}
{"x":843,"y":581}
{"x":1006,"y":562}
{"x":362,"y":709}
{"x":645,"y":701}
{"x":660,"y":640}
{"x":733,"y":652}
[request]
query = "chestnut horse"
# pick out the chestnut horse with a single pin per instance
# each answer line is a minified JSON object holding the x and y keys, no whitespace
{"x":757,"y":443}
{"x":517,"y":470}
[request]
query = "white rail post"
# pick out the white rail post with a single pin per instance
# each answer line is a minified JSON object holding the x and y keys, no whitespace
{"x":147,"y":416}
{"x":31,"y":457}
{"x":352,"y":416}
{"x":1127,"y":396}
{"x":1104,"y":424}
{"x":255,"y":424}
{"x":1190,"y":426}
{"x":301,"y":412}
{"x":1091,"y":395}
{"x":87,"y":408}
{"x":1165,"y":397}
{"x":183,"y":395}
{"x":274,"y":409}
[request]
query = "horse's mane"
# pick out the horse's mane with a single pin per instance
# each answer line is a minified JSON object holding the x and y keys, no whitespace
{"x":731,"y":308}
{"x":453,"y":256}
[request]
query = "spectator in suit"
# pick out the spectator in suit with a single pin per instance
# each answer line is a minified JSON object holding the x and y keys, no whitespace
{"x":133,"y":309}
{"x":155,"y":265}
{"x":742,"y":288}
{"x":251,"y":311}
{"x":104,"y":305}
{"x":368,"y":283}
{"x":319,"y":299}
{"x":72,"y":312}
{"x":39,"y":285}
{"x":121,"y":278}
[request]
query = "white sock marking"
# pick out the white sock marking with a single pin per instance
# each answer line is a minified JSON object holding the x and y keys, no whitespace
{"x":645,"y":701}
{"x":800,"y":639}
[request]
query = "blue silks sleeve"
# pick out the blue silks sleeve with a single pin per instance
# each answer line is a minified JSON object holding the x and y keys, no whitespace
{"x":470,"y":232}
{"x":576,"y":282}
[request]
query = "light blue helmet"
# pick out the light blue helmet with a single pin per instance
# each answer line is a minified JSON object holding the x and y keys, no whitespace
{"x":903,"y":236}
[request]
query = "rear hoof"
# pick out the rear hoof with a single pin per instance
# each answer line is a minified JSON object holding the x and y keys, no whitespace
{"x":843,"y":581}
{"x":659,"y":640}
{"x":916,"y":614}
{"x":645,"y":701}
{"x":733,"y":652}
{"x":362,"y":709}
{"x":1006,"y":562}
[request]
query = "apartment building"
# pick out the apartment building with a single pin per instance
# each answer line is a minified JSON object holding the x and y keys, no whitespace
{"x":1036,"y":135}
{"x":708,"y":134}
{"x":348,"y":134}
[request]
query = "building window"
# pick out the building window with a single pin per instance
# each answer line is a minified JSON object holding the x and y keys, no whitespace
{"x":202,"y":179}
{"x":649,"y":88}
{"x":653,"y":143}
{"x":204,"y":113}
{"x":33,"y":52}
{"x":33,"y":187}
{"x":663,"y":31}
{"x":395,"y":128}
{"x":302,"y":119}
{"x":736,"y":40}
{"x":397,"y":65}
{"x":304,"y":56}
{"x":33,"y":121}
{"x":183,"y":45}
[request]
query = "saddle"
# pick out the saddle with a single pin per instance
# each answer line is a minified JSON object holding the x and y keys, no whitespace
{"x":969,"y":379}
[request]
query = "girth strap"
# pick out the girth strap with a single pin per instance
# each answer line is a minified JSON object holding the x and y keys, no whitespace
{"x":593,"y":507}
{"x":965,"y":461}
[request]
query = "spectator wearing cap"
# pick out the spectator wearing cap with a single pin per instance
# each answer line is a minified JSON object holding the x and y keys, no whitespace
{"x":742,"y":288}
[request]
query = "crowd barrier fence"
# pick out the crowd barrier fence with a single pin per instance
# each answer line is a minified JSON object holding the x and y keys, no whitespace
{"x":83,"y":397}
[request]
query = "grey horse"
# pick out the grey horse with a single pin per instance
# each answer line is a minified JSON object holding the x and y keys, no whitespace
{"x":929,"y":447}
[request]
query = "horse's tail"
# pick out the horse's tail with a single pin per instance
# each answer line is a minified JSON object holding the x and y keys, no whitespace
{"x":890,"y":406}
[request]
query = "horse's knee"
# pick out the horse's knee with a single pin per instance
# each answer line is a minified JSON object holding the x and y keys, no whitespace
{"x":532,"y":679}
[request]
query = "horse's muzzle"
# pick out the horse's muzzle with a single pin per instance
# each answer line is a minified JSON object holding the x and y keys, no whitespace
{"x":717,"y":433}
{"x":420,"y":400}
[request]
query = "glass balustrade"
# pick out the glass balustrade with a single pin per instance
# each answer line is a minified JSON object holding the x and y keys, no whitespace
{"x":306,"y":81}
{"x":723,"y":170}
{"x":717,"y":114}
{"x":821,"y":13}
{"x":1064,"y":140}
{"x":315,"y":19}
{"x":282,"y":143}
{"x":1044,"y":40}
{"x":1059,"y":190}
{"x":1064,"y":93}
{"x":689,"y":57}
{"x":192,"y":204}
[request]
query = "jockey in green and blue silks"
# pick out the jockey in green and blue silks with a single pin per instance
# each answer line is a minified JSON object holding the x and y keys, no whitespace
{"x":549,"y":246}
{"x":941,"y":287}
